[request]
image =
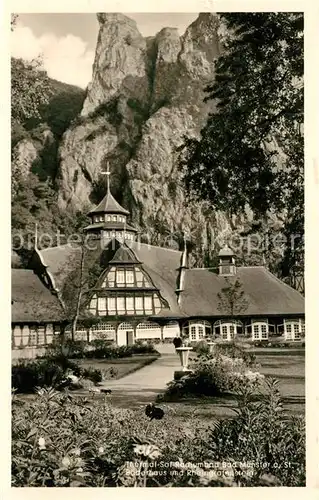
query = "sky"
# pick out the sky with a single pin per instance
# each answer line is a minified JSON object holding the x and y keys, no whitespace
{"x":66,"y":42}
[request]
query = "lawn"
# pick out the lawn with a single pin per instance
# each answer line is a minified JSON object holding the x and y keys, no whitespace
{"x":287,"y":367}
{"x":123,"y":366}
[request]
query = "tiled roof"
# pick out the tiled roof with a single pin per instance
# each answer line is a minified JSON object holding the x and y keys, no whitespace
{"x":109,"y":205}
{"x":265,"y":294}
{"x":162,"y":265}
{"x":31,"y":300}
{"x":124,"y":255}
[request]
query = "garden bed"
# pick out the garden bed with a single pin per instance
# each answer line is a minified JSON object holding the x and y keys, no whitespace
{"x":122,"y":366}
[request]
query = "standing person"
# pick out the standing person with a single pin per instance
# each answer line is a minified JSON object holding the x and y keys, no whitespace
{"x":177,"y":342}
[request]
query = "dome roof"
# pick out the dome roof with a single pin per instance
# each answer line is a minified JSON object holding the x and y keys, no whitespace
{"x":109,"y":205}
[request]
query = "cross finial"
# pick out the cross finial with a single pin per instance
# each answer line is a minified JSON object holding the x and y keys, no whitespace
{"x":107,"y":173}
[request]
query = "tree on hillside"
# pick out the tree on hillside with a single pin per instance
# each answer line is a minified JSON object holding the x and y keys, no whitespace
{"x":251,"y":150}
{"x":29,"y":85}
{"x":30,"y":89}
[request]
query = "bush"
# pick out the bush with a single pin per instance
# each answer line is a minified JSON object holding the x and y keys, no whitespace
{"x":234,"y":350}
{"x":93,"y":374}
{"x":212,"y":375}
{"x":55,"y":371}
{"x":74,"y":349}
{"x":59,"y":440}
{"x":101,"y":349}
{"x":264,"y":435}
{"x":201,"y":347}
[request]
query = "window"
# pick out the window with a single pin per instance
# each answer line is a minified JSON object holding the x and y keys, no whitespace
{"x":111,"y":305}
{"x":130,"y":305}
{"x":129,"y":277}
{"x":293,"y":329}
{"x":196,"y":329}
{"x":101,"y":305}
{"x":148,"y":304}
{"x":108,"y":218}
{"x":139,"y":305}
{"x":114,"y":218}
{"x":57,"y":330}
{"x":33,"y":335}
{"x":193,"y":332}
{"x":103,"y":331}
{"x":120,"y":277}
{"x":41,"y":336}
{"x":227,"y":329}
{"x":126,"y":326}
{"x":101,"y":218}
{"x":121,"y":305}
{"x":260,"y":330}
{"x":224,"y":332}
{"x":171,"y":330}
{"x":148,"y":330}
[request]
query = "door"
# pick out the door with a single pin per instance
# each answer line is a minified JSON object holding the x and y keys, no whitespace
{"x":129,"y":337}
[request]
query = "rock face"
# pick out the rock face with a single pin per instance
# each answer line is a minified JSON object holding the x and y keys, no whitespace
{"x":27,"y":155}
{"x":146,"y":95}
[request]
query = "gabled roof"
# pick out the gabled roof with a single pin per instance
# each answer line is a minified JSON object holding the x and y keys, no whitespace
{"x":31,"y":299}
{"x":161,"y":264}
{"x":109,"y":205}
{"x":265,"y":294}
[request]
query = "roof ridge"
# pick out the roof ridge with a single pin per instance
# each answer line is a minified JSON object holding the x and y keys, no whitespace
{"x":58,"y":246}
{"x":157,"y":246}
{"x":283,"y":283}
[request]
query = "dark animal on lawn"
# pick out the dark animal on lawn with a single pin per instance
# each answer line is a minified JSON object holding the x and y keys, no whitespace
{"x":153,"y":411}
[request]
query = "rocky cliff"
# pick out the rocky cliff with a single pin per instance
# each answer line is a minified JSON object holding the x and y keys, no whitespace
{"x":146,"y":95}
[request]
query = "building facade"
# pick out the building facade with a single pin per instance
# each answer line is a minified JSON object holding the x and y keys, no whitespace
{"x":143,"y":292}
{"x":37,"y":316}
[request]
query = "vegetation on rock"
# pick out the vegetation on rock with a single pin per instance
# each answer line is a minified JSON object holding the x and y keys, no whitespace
{"x":251,"y":149}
